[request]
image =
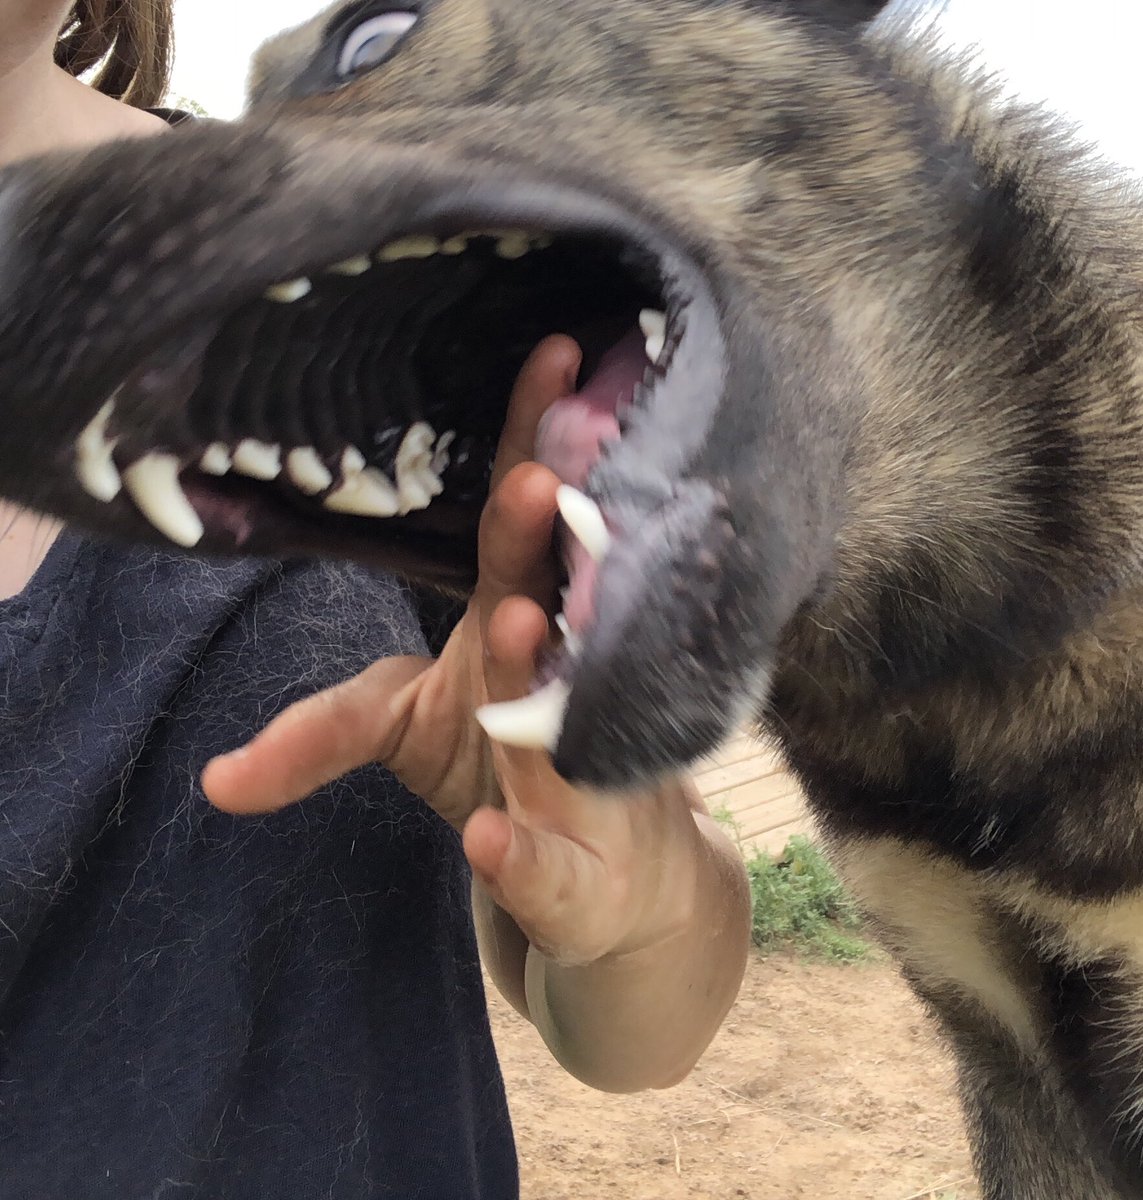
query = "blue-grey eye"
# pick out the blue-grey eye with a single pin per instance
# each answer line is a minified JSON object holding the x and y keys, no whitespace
{"x":368,"y":45}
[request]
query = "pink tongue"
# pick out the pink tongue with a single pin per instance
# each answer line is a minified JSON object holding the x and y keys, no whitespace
{"x":572,"y":430}
{"x":568,"y":441}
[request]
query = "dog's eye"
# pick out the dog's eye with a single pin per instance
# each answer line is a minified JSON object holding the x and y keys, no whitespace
{"x":368,"y":45}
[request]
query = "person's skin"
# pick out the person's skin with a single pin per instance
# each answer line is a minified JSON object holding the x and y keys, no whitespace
{"x":42,"y":109}
{"x":618,"y":925}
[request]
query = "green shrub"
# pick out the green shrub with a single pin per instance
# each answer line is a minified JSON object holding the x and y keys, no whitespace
{"x":799,"y":901}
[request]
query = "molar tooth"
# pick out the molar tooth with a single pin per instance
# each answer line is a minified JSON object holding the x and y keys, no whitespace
{"x":258,"y":460}
{"x":533,"y":723}
{"x":654,"y":326}
{"x":94,"y":466}
{"x":289,"y":291}
{"x":414,"y":246}
{"x":583,"y":518}
{"x":418,"y":491}
{"x":367,"y":493}
{"x":153,"y":483}
{"x":417,"y":482}
{"x":357,"y":265}
{"x":513,"y":244}
{"x":352,"y":461}
{"x":440,"y":458}
{"x":306,"y":471}
{"x":215,"y":459}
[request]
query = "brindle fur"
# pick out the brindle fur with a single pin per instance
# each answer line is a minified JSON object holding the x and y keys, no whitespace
{"x":942,"y":501}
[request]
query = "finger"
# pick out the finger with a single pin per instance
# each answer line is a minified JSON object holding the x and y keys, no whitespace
{"x":549,"y":373}
{"x":531,"y":787}
{"x":313,"y":742}
{"x":553,"y":888}
{"x":516,"y":631}
{"x":515,"y":551}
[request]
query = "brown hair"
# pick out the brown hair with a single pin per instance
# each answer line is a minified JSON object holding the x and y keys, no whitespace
{"x":127,"y":42}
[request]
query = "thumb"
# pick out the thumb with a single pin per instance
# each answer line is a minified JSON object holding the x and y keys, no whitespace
{"x":550,"y":885}
{"x":313,"y":742}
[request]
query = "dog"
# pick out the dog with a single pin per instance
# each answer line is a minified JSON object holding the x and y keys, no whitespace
{"x":855,"y":449}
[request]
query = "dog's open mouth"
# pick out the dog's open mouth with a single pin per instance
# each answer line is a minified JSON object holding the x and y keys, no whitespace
{"x":366,"y":400}
{"x":325,"y":368}
{"x":377,"y":388}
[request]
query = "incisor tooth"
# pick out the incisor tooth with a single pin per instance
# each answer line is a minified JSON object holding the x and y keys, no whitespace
{"x":258,"y":460}
{"x":368,"y":493}
{"x":351,"y":266}
{"x":215,"y":459}
{"x":584,"y":520}
{"x":654,"y":326}
{"x":153,"y":483}
{"x":533,"y":723}
{"x":307,"y":472}
{"x":414,"y":246}
{"x":289,"y":291}
{"x":94,"y":466}
{"x":455,"y":245}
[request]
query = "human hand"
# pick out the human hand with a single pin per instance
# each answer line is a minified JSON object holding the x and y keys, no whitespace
{"x":596,"y":912}
{"x":412,"y":713}
{"x":583,"y":874}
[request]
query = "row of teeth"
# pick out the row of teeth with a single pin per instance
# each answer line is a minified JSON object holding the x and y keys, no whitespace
{"x":534,"y":722}
{"x":153,"y":483}
{"x":508,"y":243}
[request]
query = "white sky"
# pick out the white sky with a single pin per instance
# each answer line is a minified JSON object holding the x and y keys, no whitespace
{"x":214,"y":40}
{"x":1083,"y":59}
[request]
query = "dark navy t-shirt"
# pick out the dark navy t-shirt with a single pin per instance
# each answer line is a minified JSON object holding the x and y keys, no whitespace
{"x":199,"y":1006}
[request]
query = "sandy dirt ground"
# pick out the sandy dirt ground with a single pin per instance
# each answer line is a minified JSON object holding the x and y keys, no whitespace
{"x":826,"y":1082}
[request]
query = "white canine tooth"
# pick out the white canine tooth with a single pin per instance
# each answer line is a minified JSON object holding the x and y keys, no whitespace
{"x":153,"y":483}
{"x":571,"y":639}
{"x":368,"y":493}
{"x":94,"y":466}
{"x":414,"y":246}
{"x":455,"y":245}
{"x":257,"y":459}
{"x":289,"y":291}
{"x":440,"y":459}
{"x":513,"y":244}
{"x":417,"y":482}
{"x":306,"y":471}
{"x":584,"y":520}
{"x":215,"y":459}
{"x":533,"y":723}
{"x":352,"y":461}
{"x":654,"y":326}
{"x":351,"y":266}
